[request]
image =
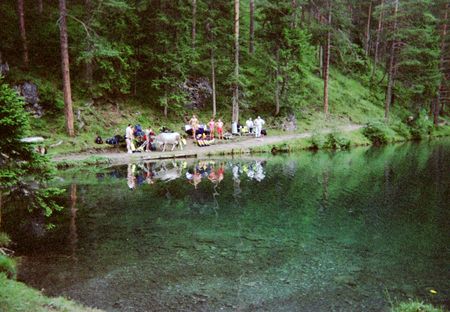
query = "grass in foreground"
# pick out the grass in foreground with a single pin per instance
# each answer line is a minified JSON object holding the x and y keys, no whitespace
{"x":415,"y":306}
{"x":17,"y":297}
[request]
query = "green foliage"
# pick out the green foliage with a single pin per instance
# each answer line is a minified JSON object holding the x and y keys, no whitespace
{"x":8,"y":266}
{"x":16,"y":296}
{"x":415,"y":306}
{"x":377,"y":133}
{"x":422,"y":126}
{"x":334,"y":141}
{"x":4,"y":240}
{"x":318,"y":141}
{"x":23,"y":173}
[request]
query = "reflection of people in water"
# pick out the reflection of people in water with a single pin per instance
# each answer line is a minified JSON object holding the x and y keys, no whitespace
{"x":148,"y":173}
{"x":237,"y":182}
{"x":194,"y":178}
{"x":216,"y":176}
{"x":131,"y":179}
{"x":255,"y":171}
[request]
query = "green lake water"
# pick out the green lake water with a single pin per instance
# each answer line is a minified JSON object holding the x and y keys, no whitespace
{"x":345,"y":231}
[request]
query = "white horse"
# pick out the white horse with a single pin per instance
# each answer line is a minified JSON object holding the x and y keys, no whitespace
{"x":169,"y":138}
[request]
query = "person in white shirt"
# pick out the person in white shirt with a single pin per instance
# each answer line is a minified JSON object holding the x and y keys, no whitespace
{"x":259,"y":122}
{"x":129,"y":136}
{"x":249,"y":124}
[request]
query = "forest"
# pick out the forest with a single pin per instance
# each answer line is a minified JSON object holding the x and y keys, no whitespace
{"x":230,"y":57}
{"x":74,"y":69}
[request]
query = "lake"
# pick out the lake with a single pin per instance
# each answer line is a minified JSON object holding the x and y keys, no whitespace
{"x":354,"y":230}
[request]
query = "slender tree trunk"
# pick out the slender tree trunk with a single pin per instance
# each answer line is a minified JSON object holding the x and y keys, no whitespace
{"x":442,"y":69}
{"x":294,"y":13}
{"x":391,"y":67}
{"x":321,"y":60}
{"x":367,"y":43}
{"x":377,"y":42}
{"x":277,"y":83}
{"x":209,"y":30}
{"x":41,"y":6}
{"x":194,"y":22}
{"x":166,"y":104}
{"x":213,"y":81}
{"x":23,"y":34}
{"x":326,"y":73}
{"x":88,"y":66}
{"x":251,"y":47}
{"x":68,"y":111}
{"x":235,"y":113}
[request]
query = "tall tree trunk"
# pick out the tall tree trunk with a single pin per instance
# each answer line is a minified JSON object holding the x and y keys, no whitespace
{"x":321,"y":60}
{"x":88,"y":66}
{"x":294,"y":13}
{"x":194,"y":22}
{"x":377,"y":42}
{"x":326,"y":68}
{"x":68,"y":111}
{"x":213,"y":81}
{"x":277,"y":83}
{"x":23,"y":34}
{"x":235,"y":113}
{"x":41,"y":6}
{"x":251,"y":47}
{"x":166,"y":104}
{"x":209,"y":30}
{"x":442,"y":69}
{"x":367,"y":41}
{"x":391,"y":67}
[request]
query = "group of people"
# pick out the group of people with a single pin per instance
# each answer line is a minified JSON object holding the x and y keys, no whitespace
{"x":253,"y":127}
{"x":130,"y":135}
{"x":256,"y":125}
{"x":212,"y":125}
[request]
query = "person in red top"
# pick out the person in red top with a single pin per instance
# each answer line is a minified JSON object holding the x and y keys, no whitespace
{"x":219,"y":125}
{"x":211,"y":126}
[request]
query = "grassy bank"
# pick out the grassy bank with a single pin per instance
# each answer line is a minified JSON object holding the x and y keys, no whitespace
{"x":16,"y":296}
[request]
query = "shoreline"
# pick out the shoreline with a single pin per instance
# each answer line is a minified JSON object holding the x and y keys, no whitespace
{"x":246,"y":145}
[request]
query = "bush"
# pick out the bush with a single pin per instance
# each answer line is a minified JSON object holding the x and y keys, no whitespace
{"x":336,"y":141}
{"x":317,"y":141}
{"x":422,"y":127}
{"x":377,"y":133}
{"x":402,"y":129}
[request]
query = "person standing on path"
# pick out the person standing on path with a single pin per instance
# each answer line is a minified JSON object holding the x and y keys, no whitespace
{"x":129,"y":136}
{"x":249,"y":124}
{"x":194,"y":124}
{"x":219,"y":125}
{"x":211,"y":125}
{"x":259,"y":122}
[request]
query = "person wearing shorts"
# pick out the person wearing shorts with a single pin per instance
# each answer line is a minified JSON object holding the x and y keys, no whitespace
{"x":219,"y":125}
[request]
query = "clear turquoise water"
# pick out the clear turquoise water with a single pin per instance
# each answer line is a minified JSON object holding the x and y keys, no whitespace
{"x":346,"y":231}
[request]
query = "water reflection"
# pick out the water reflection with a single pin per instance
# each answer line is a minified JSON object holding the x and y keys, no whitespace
{"x":214,"y":171}
{"x":313,"y":232}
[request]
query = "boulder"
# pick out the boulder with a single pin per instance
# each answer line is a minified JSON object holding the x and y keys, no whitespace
{"x":30,"y":93}
{"x":199,"y":90}
{"x":289,"y":123}
{"x":4,"y":69}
